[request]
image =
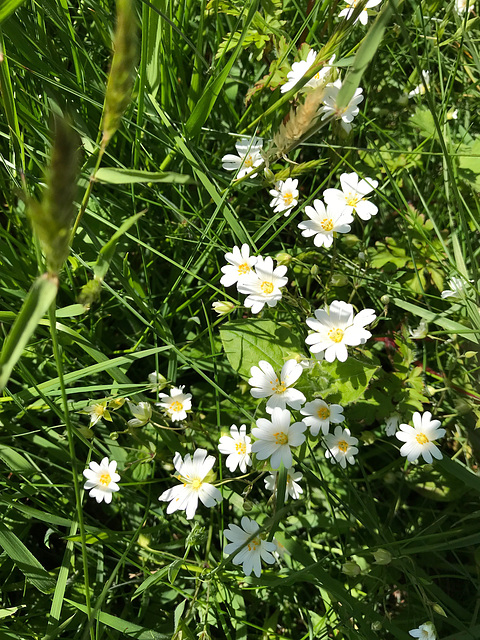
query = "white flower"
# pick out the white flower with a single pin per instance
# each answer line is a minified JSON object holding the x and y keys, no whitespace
{"x":352,"y":196}
{"x":191,"y":472}
{"x":299,"y":69}
{"x":318,"y":415}
{"x":419,"y":439}
{"x":452,"y":114}
{"x":330,"y":108}
{"x":425,"y":631}
{"x":340,"y":447}
{"x":336,"y":329}
{"x":391,"y":424}
{"x":249,"y":156}
{"x":324,"y":223}
{"x":461,"y":6}
{"x":176,"y":405}
{"x":223,"y":308}
{"x":263,"y":286}
{"x":240,"y":267}
{"x":254,"y":552}
{"x":457,"y":288}
{"x":97,"y":412}
{"x":422,"y":87}
{"x":292,"y":488}
{"x":266,"y":384}
{"x":363,"y":17}
{"x":276,"y":437}
{"x":102,"y":480}
{"x":420,"y":332}
{"x":142,"y":414}
{"x":285,"y":196}
{"x":238,"y":448}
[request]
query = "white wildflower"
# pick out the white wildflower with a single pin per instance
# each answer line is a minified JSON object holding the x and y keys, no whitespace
{"x":285,"y":196}
{"x":419,"y":439}
{"x":299,"y":69}
{"x":425,"y":631}
{"x":324,"y":223}
{"x":239,"y":267}
{"x":336,"y":329}
{"x":191,"y":472}
{"x":363,"y":17}
{"x":267,"y":384}
{"x":319,"y":414}
{"x":352,"y":196}
{"x":142,"y":413}
{"x":420,"y":89}
{"x":276,"y":437}
{"x":256,"y":550}
{"x":292,"y":487}
{"x":249,"y":157}
{"x":330,"y":107}
{"x":341,"y":447}
{"x":101,"y":480}
{"x":237,"y":446}
{"x":263,"y":286}
{"x":176,"y":405}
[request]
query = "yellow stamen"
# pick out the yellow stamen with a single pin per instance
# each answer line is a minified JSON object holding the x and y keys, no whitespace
{"x":253,"y":544}
{"x":280,"y":387}
{"x":196,"y":484}
{"x":327,"y":224}
{"x":243,"y":268}
{"x":288,"y":198}
{"x":248,"y":162}
{"x":267,"y":287}
{"x":176,"y":406}
{"x":343,"y":446}
{"x":241,"y":448}
{"x":323,"y":413}
{"x":421,"y":438}
{"x":280,"y":437}
{"x":105,"y":478}
{"x":352,"y":199}
{"x":336,"y":335}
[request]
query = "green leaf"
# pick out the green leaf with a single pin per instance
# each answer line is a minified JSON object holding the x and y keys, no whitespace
{"x":114,"y":175}
{"x":39,"y":298}
{"x":365,"y":53}
{"x":344,"y":382}
{"x":125,"y":627}
{"x":4,"y":613}
{"x":438,"y":318}
{"x":423,"y":120}
{"x":247,"y":342}
{"x":8,"y":7}
{"x":25,"y":561}
{"x":108,"y":250}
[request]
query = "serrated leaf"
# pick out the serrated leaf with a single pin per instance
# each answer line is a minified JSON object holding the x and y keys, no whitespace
{"x":423,"y":120}
{"x":346,"y":381}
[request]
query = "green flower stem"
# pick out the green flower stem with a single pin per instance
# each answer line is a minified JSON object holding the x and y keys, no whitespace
{"x":71,"y":447}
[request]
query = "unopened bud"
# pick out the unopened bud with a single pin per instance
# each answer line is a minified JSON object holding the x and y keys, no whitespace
{"x":116,"y":403}
{"x":338,"y":279}
{"x":351,"y":569}
{"x":385,"y":299}
{"x":222,"y":308}
{"x":283,"y":258}
{"x":247,"y":505}
{"x":269,"y":175}
{"x":382,"y":556}
{"x":314,"y":270}
{"x":114,"y":435}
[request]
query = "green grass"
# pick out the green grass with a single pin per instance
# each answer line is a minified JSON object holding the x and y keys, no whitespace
{"x":136,"y":294}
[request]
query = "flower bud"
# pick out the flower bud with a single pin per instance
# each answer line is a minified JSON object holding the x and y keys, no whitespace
{"x":114,"y":435}
{"x":283,"y":258}
{"x":223,"y":308}
{"x":351,"y":569}
{"x":314,"y":270}
{"x":269,"y":175}
{"x":116,"y":403}
{"x":338,"y":279}
{"x":382,"y":556}
{"x":385,"y":299}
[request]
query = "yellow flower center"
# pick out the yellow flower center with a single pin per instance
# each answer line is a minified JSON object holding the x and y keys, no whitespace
{"x":352,"y":199}
{"x":288,"y":197}
{"x":422,"y":438}
{"x":327,"y":224}
{"x":253,"y":544}
{"x":336,"y":335}
{"x":323,"y":413}
{"x":243,"y":268}
{"x":99,"y":409}
{"x":280,"y":437}
{"x":176,"y":406}
{"x":248,"y":162}
{"x":343,"y":446}
{"x":105,"y":478}
{"x":266,"y":287}
{"x":241,"y":448}
{"x":279,"y":387}
{"x":196,"y":484}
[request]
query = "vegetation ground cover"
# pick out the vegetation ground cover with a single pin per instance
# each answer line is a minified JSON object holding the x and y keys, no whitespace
{"x":131,"y":182}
